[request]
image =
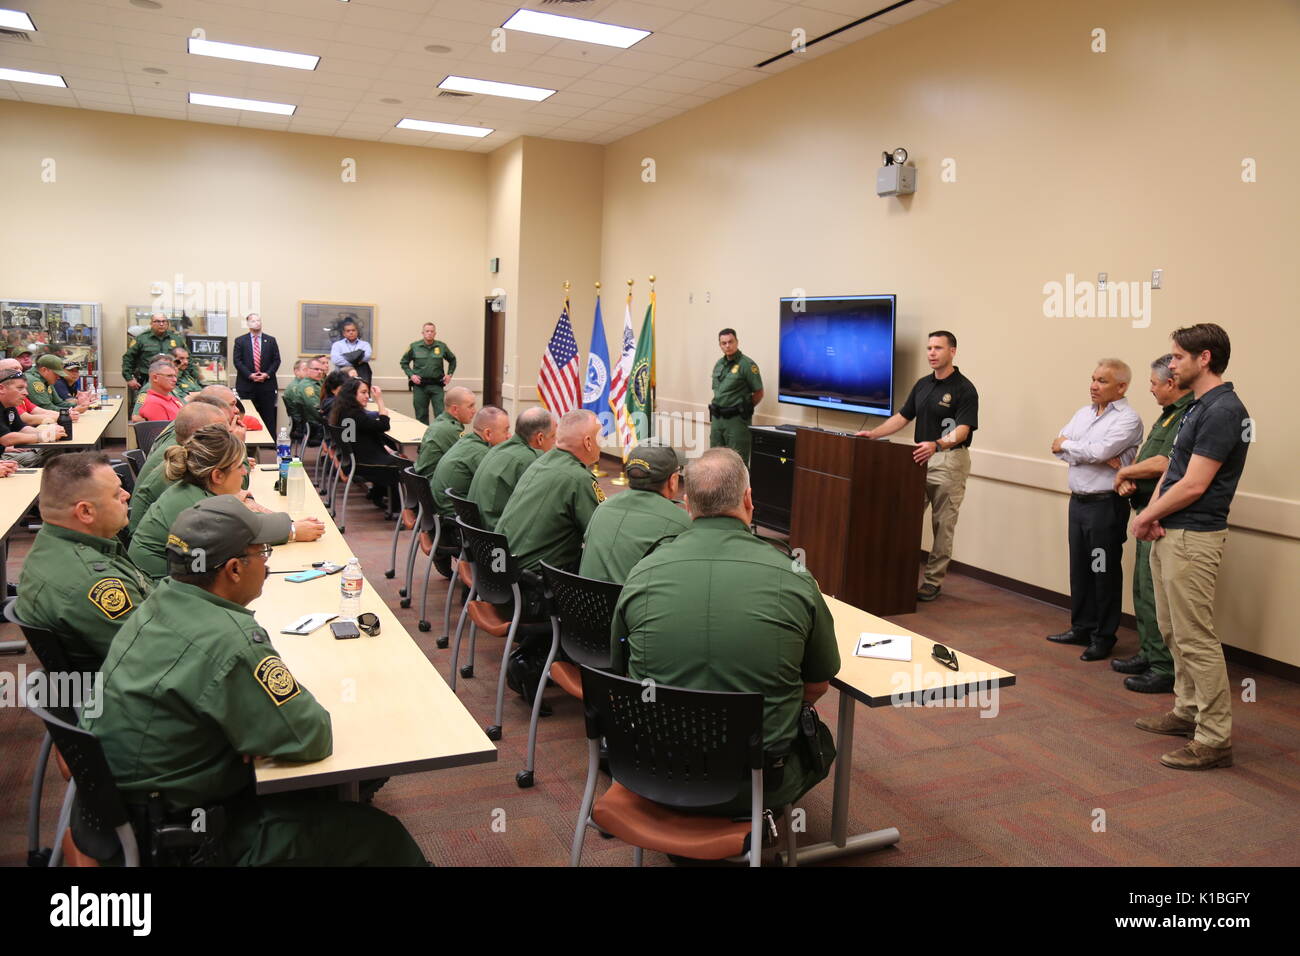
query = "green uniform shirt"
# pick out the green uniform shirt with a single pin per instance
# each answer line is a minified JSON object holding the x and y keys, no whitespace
{"x":44,"y":395}
{"x":1160,"y":441}
{"x":624,"y":528}
{"x":735,"y":380}
{"x":438,"y":438}
{"x":144,"y":348}
{"x":497,"y":475}
{"x":456,"y":470}
{"x":148,"y":489}
{"x":82,"y":588}
{"x":720,"y":609}
{"x":549,"y":510}
{"x":428,"y":361}
{"x":187,"y":383}
{"x":193,"y":684}
{"x":149,"y":540}
{"x":166,"y":439}
{"x":307,"y":396}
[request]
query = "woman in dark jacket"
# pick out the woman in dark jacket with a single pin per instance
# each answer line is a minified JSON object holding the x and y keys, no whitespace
{"x":367,"y":433}
{"x":329,"y":389}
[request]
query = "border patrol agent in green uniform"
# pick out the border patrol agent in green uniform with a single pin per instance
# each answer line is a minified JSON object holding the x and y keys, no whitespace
{"x":1152,"y":667}
{"x":77,"y":580}
{"x":146,"y":346}
{"x":548,"y":513}
{"x":445,"y":430}
{"x":433,"y":364}
{"x":502,"y":467}
{"x":41,"y":389}
{"x":628,"y":525}
{"x":194,"y":689}
{"x":720,"y":609}
{"x":152,"y":482}
{"x":491,"y":427}
{"x":737,"y":388}
{"x":166,"y":439}
{"x":187,"y":380}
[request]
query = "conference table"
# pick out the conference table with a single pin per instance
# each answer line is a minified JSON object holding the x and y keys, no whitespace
{"x":88,"y":430}
{"x":922,"y":681}
{"x":17,"y":493}
{"x":392,"y":712}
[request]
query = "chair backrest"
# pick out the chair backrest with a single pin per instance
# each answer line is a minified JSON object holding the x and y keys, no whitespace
{"x":123,"y":470}
{"x":679,"y":747}
{"x":341,"y":448}
{"x":466,"y":510}
{"x":146,"y":433}
{"x":496,"y":570}
{"x":44,"y":644}
{"x":585,"y":608}
{"x":136,"y":457}
{"x":419,"y":494}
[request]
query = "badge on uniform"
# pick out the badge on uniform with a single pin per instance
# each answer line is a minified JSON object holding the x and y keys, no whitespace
{"x":437,"y":350}
{"x":595,"y":486}
{"x":111,"y":597}
{"x":309,"y":391}
{"x":735,"y":369}
{"x":276,"y":680}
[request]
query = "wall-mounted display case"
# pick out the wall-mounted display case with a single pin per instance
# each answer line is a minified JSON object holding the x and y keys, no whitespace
{"x":205,"y":336}
{"x":70,"y":330}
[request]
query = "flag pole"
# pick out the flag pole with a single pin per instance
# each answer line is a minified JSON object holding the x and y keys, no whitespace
{"x":654,"y":385}
{"x":621,"y":480}
{"x":595,"y":470}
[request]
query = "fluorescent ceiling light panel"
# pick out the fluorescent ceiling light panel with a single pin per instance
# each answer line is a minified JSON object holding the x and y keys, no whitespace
{"x":465,"y":84}
{"x":571,"y":28}
{"x":16,"y":20}
{"x":425,"y":126}
{"x":253,"y":54}
{"x":26,"y":76}
{"x":234,"y":103}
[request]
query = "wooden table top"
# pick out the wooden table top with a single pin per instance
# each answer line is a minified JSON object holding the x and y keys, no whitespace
{"x":404,"y":428}
{"x":17,"y":492}
{"x":879,"y":683}
{"x":258,"y":436}
{"x":392,"y":711}
{"x":89,"y":428}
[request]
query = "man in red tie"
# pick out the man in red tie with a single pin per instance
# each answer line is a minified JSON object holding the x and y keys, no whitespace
{"x":257,"y":359}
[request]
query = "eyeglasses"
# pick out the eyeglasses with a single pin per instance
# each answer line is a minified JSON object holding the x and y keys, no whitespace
{"x":265,"y":551}
{"x":369,"y":623}
{"x":944,"y":656}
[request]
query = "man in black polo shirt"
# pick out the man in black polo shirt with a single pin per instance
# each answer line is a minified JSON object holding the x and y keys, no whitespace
{"x":946,"y":408}
{"x":1187,"y":523}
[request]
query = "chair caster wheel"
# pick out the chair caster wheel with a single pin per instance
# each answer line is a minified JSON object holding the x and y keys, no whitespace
{"x":401,"y":592}
{"x":467,"y":670}
{"x":494,"y":732}
{"x":524,"y":778}
{"x":443,"y":642}
{"x":390,"y":574}
{"x":42,"y":857}
{"x":425,"y":626}
{"x":405,"y":602}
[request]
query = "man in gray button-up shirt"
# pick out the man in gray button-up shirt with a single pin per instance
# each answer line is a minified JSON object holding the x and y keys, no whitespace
{"x":1102,"y":437}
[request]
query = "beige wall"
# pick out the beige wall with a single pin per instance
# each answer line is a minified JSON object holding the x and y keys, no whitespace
{"x":1066,"y":161}
{"x":139,"y":199}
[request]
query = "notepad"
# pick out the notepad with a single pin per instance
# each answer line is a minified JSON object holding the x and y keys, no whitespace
{"x":899,"y":647}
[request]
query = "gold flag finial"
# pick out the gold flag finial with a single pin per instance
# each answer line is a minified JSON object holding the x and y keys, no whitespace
{"x":652,"y":280}
{"x":597,"y":285}
{"x":566,"y":286}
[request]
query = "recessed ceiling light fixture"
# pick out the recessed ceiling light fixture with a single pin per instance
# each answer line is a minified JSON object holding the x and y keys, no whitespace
{"x":26,"y":76}
{"x":253,"y":54}
{"x":155,"y":70}
{"x":234,"y":103}
{"x":16,"y":20}
{"x":572,"y":28}
{"x":425,"y":126}
{"x":465,"y":84}
{"x":437,"y":48}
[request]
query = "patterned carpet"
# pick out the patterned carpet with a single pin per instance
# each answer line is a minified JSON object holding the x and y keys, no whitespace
{"x":1059,"y":777}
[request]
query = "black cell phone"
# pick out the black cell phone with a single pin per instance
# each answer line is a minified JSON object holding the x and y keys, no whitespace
{"x":343,"y":630}
{"x":270,"y":468}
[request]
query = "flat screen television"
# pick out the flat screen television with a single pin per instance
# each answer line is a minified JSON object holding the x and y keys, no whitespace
{"x":838,"y":352}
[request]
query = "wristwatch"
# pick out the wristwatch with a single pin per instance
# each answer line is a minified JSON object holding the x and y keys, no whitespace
{"x":292,"y":530}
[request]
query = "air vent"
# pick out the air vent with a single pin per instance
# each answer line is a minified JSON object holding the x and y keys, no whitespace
{"x":452,"y":93}
{"x":15,"y":36}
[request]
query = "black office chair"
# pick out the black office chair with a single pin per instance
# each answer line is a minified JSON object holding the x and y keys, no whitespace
{"x":136,"y":457}
{"x":495,"y":579}
{"x":146,"y":433}
{"x":671,"y":751}
{"x":466,"y":510}
{"x":582,"y":610}
{"x":345,"y":464}
{"x":123,"y":471}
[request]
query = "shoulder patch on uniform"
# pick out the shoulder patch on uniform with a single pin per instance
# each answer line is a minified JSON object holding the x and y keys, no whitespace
{"x":309,"y":390}
{"x":111,"y":597}
{"x":276,"y":680}
{"x":39,"y":386}
{"x":595,"y":486}
{"x":753,"y":368}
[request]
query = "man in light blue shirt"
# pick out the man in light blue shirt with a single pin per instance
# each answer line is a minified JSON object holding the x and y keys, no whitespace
{"x":343,"y":352}
{"x":1101,"y":438}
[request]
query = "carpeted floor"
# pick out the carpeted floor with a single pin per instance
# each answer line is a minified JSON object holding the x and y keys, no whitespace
{"x":1059,"y":777}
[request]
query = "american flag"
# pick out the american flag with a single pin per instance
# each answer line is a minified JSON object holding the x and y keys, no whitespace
{"x":558,"y":380}
{"x":618,"y":385}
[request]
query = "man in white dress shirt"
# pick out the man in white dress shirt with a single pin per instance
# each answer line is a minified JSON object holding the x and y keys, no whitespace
{"x":1101,"y":438}
{"x":343,"y":353}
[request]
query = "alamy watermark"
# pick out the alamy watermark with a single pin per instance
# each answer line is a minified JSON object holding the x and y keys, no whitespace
{"x":40,"y":688}
{"x":1083,"y":299}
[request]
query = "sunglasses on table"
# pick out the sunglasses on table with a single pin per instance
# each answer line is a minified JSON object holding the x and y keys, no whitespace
{"x":368,"y":623}
{"x":944,"y":656}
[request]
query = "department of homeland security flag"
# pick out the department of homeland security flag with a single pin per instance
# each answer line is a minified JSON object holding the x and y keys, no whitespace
{"x":595,"y":391}
{"x":558,"y":381}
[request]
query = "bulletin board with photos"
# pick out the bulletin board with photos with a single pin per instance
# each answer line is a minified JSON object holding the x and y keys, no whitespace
{"x":205,"y":337}
{"x":70,"y":330}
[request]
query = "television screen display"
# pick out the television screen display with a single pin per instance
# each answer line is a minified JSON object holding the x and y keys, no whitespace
{"x":838,"y":352}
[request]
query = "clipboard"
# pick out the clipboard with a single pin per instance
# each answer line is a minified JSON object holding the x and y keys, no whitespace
{"x":897,"y":648}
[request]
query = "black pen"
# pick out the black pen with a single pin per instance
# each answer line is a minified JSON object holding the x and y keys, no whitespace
{"x":875,"y":643}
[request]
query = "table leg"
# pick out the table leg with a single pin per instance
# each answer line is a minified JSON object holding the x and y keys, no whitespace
{"x":841,"y":844}
{"x":350,"y":791}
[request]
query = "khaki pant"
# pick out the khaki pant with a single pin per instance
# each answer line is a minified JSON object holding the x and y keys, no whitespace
{"x":945,"y":487}
{"x":1184,"y":567}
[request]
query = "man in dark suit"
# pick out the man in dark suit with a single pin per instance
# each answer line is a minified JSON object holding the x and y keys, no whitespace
{"x":257,"y":359}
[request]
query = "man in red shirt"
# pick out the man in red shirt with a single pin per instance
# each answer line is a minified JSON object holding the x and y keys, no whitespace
{"x":160,"y":405}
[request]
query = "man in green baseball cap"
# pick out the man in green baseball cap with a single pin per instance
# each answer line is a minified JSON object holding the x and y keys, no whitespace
{"x":40,"y":384}
{"x":194,"y":690}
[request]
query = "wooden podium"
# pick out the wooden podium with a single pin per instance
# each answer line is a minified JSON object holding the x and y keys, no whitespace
{"x":856,"y":514}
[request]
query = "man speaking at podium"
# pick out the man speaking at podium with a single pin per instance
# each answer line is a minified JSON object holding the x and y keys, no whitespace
{"x":946,"y":408}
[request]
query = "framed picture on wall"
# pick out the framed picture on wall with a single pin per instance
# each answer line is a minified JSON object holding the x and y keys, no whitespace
{"x":321,"y":324}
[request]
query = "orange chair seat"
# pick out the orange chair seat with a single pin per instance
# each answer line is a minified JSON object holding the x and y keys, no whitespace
{"x":465,"y":572}
{"x":486,"y":618}
{"x":73,"y":856}
{"x":568,"y":679}
{"x":652,"y":826}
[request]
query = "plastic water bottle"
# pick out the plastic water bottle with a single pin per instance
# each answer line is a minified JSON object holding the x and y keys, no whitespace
{"x":297,"y":486}
{"x":103,"y":393}
{"x":282,"y":454}
{"x":350,"y":591}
